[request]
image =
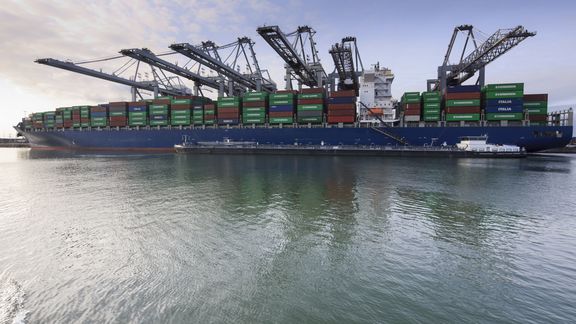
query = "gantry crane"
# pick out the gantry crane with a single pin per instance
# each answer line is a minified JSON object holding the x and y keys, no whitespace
{"x":347,"y":63}
{"x":243,"y":50}
{"x":158,"y":86}
{"x":301,"y":56}
{"x":495,"y":46}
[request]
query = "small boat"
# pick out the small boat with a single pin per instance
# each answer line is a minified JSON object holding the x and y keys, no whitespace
{"x":480,"y":144}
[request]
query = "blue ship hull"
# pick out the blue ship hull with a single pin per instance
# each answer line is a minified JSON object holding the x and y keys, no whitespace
{"x":532,"y":138}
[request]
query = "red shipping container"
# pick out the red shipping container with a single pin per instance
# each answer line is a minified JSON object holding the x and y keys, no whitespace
{"x":209,"y":106}
{"x":181,"y":107}
{"x":228,"y":115}
{"x":312,"y":90}
{"x":68,"y":124}
{"x":412,"y":113}
{"x":341,"y":119}
{"x":463,"y":110}
{"x":119,"y":104}
{"x":536,"y":97}
{"x":315,"y":101}
{"x":350,"y":112}
{"x":228,"y":110}
{"x":281,"y":114}
{"x":255,"y":104}
{"x":343,"y":93}
{"x":97,"y":109}
{"x":412,"y":106}
{"x":347,"y":106}
{"x":462,"y":95}
{"x":538,"y":118}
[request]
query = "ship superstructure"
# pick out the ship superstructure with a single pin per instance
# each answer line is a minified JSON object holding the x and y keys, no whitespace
{"x":376,"y":104}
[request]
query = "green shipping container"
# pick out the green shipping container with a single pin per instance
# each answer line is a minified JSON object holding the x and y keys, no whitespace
{"x":505,"y":86}
{"x":274,"y":102}
{"x":432,"y":118}
{"x":209,"y":112}
{"x":504,"y":94}
{"x":311,"y":96}
{"x":431,"y":112}
{"x":410,"y":100}
{"x":535,"y":104}
{"x":181,"y":117}
{"x":462,"y":102}
{"x":198,"y":113}
{"x":228,"y":104}
{"x":137,"y":123}
{"x":432,"y":100}
{"x":281,"y":120}
{"x":431,"y":95}
{"x":137,"y":114}
{"x":504,"y":116}
{"x":536,"y":111}
{"x":229,"y":99}
{"x":261,"y":114}
{"x":310,"y":119}
{"x":158,"y":122}
{"x":435,"y":105}
{"x":252,"y":120}
{"x":209,"y":122}
{"x":181,"y":101}
{"x":255,"y":96}
{"x":117,"y":114}
{"x":282,"y":96}
{"x":181,"y":113}
{"x":84,"y":124}
{"x":254,"y":109}
{"x":75,"y":124}
{"x":459,"y":117}
{"x":311,"y":107}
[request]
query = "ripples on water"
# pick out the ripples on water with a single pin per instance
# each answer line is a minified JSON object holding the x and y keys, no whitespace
{"x":183,"y":238}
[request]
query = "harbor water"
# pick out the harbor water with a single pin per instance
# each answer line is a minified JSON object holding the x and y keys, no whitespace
{"x":169,"y":238}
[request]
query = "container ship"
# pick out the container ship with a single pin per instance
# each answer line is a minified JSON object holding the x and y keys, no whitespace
{"x":351,"y":106}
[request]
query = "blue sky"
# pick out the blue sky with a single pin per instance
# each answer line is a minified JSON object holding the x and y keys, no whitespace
{"x":409,"y":37}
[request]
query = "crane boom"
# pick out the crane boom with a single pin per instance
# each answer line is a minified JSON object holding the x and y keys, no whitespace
{"x":347,"y":64}
{"x":147,"y":56}
{"x":146,"y":85}
{"x":495,"y":46}
{"x":279,"y":42}
{"x":205,"y":59}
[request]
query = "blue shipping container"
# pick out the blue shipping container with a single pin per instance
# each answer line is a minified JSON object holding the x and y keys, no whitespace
{"x":342,"y":100}
{"x":504,"y":109}
{"x":505,"y":102}
{"x":281,"y":108}
{"x":159,"y":117}
{"x":466,"y":88}
{"x":137,"y":108}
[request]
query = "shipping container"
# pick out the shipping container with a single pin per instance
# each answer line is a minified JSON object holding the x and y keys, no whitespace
{"x":505,"y":86}
{"x":463,"y":103}
{"x":462,"y":117}
{"x":504,"y":94}
{"x":504,"y":116}
{"x":281,"y":120}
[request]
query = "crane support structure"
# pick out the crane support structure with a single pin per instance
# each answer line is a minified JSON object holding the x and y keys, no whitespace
{"x":495,"y":46}
{"x":306,"y":69}
{"x":203,"y":57}
{"x":347,"y":63}
{"x":145,"y":85}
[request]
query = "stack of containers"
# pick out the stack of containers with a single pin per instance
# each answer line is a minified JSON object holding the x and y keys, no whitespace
{"x":59,"y":118}
{"x":282,"y":106}
{"x":342,"y":107}
{"x":229,"y":109}
{"x":67,"y":116}
{"x":463,"y":103}
{"x":49,"y":119}
{"x":158,"y":111}
{"x":138,"y":113}
{"x":181,"y":111}
{"x":310,"y":106}
{"x":254,"y":107}
{"x":198,"y":109}
{"x":411,"y":106}
{"x":431,"y":105}
{"x":27,"y":122}
{"x":84,"y":116}
{"x":536,"y":106}
{"x":209,"y":114}
{"x":76,"y":120}
{"x":37,"y":120}
{"x":117,"y":112}
{"x":504,"y":101}
{"x":98,"y":116}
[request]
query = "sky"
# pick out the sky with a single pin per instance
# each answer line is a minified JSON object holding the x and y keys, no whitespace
{"x":409,"y":37}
